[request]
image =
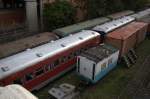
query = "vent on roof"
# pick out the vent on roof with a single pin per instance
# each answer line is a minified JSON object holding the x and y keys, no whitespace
{"x":106,"y":27}
{"x":115,"y":24}
{"x":63,"y":45}
{"x":121,"y":21}
{"x":51,"y":41}
{"x":5,"y":69}
{"x":70,"y":34}
{"x":39,"y":54}
{"x":80,"y":38}
{"x":93,"y":33}
{"x":28,"y":49}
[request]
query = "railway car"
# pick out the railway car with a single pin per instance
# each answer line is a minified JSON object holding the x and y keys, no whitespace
{"x":120,"y":14}
{"x":146,"y":20}
{"x":112,"y":25}
{"x":143,"y":16}
{"x":35,"y":67}
{"x":127,"y":37}
{"x":96,"y":62}
{"x":62,"y":32}
{"x":25,"y":43}
{"x":15,"y":92}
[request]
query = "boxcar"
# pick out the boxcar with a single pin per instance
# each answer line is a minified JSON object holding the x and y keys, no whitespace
{"x":62,"y":32}
{"x":146,"y":20}
{"x":127,"y":37}
{"x":141,"y":14}
{"x":120,"y":14}
{"x":96,"y":62}
{"x":36,"y":67}
{"x":25,"y":43}
{"x":15,"y":92}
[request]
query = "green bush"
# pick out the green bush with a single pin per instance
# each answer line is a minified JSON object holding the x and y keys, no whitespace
{"x":98,"y":8}
{"x":58,"y":14}
{"x":135,"y":5}
{"x":62,"y":13}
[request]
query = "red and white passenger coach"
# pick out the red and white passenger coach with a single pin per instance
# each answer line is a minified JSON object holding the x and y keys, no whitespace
{"x":36,"y":67}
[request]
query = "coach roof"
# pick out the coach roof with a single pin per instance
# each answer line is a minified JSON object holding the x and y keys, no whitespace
{"x":30,"y":57}
{"x":109,"y":26}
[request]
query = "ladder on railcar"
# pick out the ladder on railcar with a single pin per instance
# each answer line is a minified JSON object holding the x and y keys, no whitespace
{"x":130,"y":58}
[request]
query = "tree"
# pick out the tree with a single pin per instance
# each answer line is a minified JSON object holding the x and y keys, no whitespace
{"x":58,"y":14}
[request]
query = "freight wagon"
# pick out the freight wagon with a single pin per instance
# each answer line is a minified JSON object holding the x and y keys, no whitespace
{"x":127,"y":37}
{"x":35,"y":67}
{"x":143,"y":16}
{"x":146,"y":20}
{"x":65,"y":31}
{"x":96,"y":62}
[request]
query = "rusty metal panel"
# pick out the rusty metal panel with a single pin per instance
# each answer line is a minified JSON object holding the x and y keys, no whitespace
{"x":127,"y":37}
{"x":146,"y":20}
{"x":141,"y":33}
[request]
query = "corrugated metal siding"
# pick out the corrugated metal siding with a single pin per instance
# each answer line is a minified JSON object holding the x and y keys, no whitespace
{"x":141,"y":34}
{"x":127,"y":37}
{"x":146,"y":20}
{"x":80,"y":26}
{"x":120,"y":14}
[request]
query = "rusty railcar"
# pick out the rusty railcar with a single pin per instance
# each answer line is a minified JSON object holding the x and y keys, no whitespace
{"x":127,"y":37}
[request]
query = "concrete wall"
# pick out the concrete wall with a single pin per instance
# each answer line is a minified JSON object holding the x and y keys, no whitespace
{"x":31,"y":15}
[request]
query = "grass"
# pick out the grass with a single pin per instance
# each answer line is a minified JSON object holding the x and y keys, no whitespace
{"x":110,"y":86}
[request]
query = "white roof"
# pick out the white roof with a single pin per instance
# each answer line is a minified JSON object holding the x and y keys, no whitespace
{"x":141,"y":14}
{"x":29,"y":57}
{"x":15,"y":92}
{"x":109,"y":26}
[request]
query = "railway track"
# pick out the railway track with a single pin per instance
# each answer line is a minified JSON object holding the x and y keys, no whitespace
{"x":140,"y":85}
{"x":13,"y":35}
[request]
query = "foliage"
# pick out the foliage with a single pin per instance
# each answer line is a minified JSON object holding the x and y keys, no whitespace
{"x":98,"y":8}
{"x":135,"y":5}
{"x":62,"y":13}
{"x":58,"y":14}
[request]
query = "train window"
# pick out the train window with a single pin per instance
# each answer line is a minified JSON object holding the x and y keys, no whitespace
{"x":72,"y":55}
{"x":103,"y":66}
{"x":110,"y":61}
{"x":39,"y":71}
{"x":29,"y":76}
{"x":61,"y":60}
{"x":56,"y":62}
{"x":47,"y":67}
{"x":51,"y":66}
{"x":69,"y":57}
{"x":18,"y":81}
{"x":77,"y":53}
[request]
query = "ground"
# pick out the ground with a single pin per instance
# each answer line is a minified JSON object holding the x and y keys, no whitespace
{"x":121,"y":83}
